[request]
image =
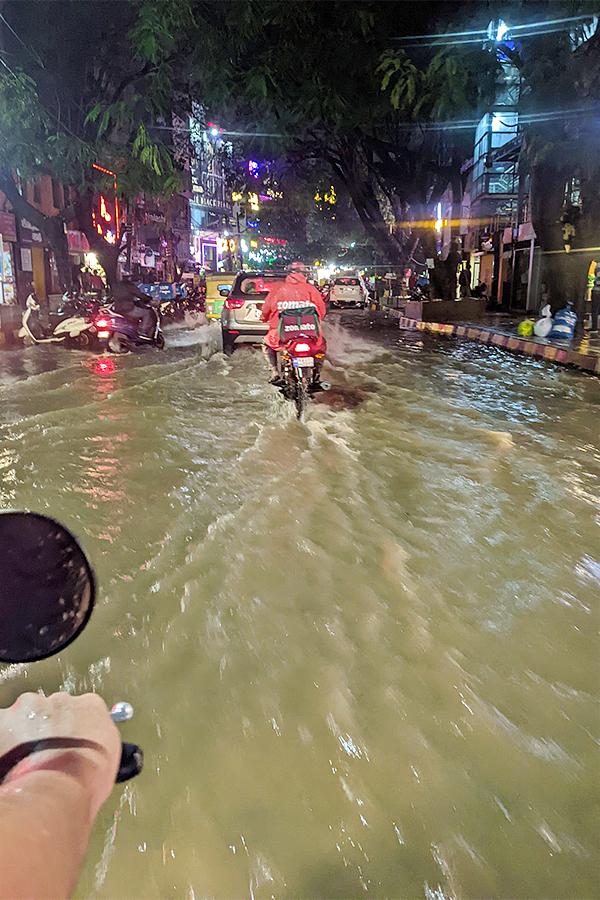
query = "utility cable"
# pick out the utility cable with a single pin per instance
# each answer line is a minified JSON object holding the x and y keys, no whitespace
{"x":32,"y":53}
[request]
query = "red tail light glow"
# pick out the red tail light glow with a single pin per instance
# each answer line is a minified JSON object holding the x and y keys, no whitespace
{"x":104,"y":367}
{"x":234,"y":304}
{"x":301,"y":348}
{"x":101,"y":323}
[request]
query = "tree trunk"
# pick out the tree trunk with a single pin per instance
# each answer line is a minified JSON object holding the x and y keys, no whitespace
{"x":443,"y":275}
{"x":365,"y":203}
{"x":51,"y":227}
{"x":563,"y":273}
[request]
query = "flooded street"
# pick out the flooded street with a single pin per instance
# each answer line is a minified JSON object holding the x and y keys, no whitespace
{"x":362,"y":650}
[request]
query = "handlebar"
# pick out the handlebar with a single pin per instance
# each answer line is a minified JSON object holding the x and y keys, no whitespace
{"x":132,"y":756}
{"x":132,"y":762}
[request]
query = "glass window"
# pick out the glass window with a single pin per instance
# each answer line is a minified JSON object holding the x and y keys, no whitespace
{"x":260,"y":284}
{"x":56,"y":195}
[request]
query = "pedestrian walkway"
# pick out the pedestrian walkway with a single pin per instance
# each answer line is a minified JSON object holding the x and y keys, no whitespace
{"x":584,"y":354}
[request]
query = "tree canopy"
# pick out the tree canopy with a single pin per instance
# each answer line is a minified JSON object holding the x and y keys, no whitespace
{"x":84,"y":87}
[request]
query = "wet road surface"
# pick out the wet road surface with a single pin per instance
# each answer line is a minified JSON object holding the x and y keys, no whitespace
{"x":362,"y":650}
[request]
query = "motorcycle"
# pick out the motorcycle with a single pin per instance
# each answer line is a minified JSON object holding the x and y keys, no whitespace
{"x":119,"y":333}
{"x":301,"y":357}
{"x":72,"y":330}
{"x":194,"y":301}
{"x":72,"y":304}
{"x":47,"y":595}
{"x":191,"y":302}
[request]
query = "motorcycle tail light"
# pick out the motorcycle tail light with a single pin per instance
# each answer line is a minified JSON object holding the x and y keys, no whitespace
{"x":301,"y":348}
{"x":101,"y":323}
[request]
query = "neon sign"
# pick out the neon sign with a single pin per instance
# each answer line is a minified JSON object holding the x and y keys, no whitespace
{"x":104,"y":218}
{"x":105,"y":213}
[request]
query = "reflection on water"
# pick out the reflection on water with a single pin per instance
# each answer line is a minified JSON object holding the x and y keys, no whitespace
{"x":361,"y":650}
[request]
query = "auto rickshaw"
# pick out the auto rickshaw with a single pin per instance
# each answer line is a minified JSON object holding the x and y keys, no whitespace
{"x":218,"y":286}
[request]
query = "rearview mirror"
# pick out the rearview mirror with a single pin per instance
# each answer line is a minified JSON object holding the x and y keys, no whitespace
{"x":224,"y":293}
{"x":47,"y":587}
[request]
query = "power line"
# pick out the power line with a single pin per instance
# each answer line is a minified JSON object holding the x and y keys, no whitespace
{"x":32,"y":53}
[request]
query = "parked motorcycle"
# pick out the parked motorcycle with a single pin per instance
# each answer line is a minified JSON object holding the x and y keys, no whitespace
{"x":73,"y":329}
{"x":120,"y":334}
{"x":73,"y":304}
{"x":195,"y":300}
{"x":302,"y":356}
{"x":47,"y":595}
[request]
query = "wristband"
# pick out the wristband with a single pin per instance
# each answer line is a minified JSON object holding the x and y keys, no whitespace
{"x":17,"y":754}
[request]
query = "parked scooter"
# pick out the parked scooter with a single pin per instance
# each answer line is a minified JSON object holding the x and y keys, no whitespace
{"x":120,"y":334}
{"x":47,"y":595}
{"x":73,"y":330}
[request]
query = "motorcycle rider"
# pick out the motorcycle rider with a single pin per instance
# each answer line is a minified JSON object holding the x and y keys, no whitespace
{"x":125,"y":293}
{"x":295,"y":292}
{"x":49,"y":800}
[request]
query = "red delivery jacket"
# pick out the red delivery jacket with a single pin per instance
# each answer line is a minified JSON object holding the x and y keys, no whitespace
{"x":294,"y":293}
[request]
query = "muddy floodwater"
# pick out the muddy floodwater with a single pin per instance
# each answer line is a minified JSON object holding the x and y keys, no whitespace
{"x":362,"y":650}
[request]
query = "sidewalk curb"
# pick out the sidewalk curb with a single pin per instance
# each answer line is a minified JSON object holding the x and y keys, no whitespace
{"x":536,"y":347}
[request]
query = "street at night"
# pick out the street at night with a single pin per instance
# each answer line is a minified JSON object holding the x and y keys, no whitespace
{"x":360,"y":650}
{"x":299,"y":449}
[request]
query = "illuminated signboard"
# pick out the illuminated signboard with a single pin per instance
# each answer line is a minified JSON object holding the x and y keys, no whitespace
{"x":104,"y":217}
{"x":105,"y":212}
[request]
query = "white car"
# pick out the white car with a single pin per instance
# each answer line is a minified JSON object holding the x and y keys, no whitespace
{"x":347,"y":292}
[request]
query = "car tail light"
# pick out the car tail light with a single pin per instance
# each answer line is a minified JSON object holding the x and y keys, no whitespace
{"x":301,"y":348}
{"x":101,"y":323}
{"x":234,"y":304}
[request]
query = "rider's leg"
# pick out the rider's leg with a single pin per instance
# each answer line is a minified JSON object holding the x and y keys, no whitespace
{"x":271,"y":358}
{"x":145,"y":319}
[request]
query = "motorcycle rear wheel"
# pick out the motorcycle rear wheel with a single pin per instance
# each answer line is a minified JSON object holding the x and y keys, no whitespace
{"x":83,"y":340}
{"x":116,"y":344}
{"x":301,"y":398}
{"x":160,"y":341}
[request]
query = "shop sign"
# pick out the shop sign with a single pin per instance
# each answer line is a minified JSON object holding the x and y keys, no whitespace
{"x":525,"y":233}
{"x":156,"y":216}
{"x":77,"y":241}
{"x":8,"y":228}
{"x":26,"y":264}
{"x":28,"y":233}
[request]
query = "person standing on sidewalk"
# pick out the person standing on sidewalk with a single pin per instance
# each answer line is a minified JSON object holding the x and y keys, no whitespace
{"x":464,"y":281}
{"x":595,"y":301}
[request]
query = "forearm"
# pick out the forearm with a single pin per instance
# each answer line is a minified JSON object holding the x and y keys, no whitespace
{"x":46,"y":815}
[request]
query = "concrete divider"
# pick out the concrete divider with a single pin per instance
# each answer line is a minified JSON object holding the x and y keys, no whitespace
{"x":579,"y":354}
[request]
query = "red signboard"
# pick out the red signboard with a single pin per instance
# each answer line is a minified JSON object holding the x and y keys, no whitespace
{"x":77,"y":241}
{"x":8,"y":228}
{"x":104,"y":217}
